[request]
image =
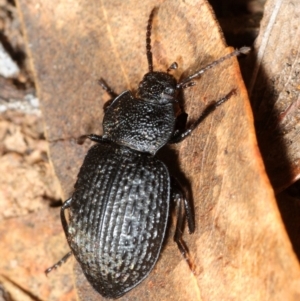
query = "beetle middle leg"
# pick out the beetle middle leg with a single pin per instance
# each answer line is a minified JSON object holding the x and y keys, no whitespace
{"x":92,"y":137}
{"x":184,"y":210}
{"x":180,"y":135}
{"x":113,"y":95}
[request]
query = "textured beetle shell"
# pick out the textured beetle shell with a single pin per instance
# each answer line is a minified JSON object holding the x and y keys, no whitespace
{"x":118,"y":217}
{"x":138,"y":124}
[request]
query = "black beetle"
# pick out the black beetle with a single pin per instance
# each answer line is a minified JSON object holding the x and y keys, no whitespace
{"x":120,"y":207}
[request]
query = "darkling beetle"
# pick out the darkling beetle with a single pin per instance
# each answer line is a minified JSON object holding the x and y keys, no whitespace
{"x":119,"y":210}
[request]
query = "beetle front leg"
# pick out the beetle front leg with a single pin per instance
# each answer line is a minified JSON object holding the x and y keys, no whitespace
{"x":107,"y":88}
{"x":184,"y":210}
{"x":181,"y":135}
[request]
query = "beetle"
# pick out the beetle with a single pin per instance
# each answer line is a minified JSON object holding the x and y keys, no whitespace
{"x":120,"y":207}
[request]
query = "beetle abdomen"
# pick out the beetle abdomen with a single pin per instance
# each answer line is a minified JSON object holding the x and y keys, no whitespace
{"x":118,"y":217}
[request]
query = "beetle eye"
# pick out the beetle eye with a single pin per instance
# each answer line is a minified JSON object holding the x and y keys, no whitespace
{"x":169,"y":91}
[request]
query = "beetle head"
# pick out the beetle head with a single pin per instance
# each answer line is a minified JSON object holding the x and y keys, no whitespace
{"x":158,"y":87}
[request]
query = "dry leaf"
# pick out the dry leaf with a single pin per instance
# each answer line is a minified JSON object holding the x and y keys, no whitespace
{"x":240,"y":247}
{"x":274,"y":89}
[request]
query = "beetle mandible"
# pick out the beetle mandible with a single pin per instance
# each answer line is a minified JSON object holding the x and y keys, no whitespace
{"x":119,"y":210}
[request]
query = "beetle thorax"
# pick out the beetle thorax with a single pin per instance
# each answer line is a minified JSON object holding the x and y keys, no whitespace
{"x":139,"y":124}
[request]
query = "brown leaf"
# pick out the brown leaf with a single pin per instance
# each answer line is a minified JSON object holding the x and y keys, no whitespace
{"x":27,"y":187}
{"x":274,"y":89}
{"x":240,"y":248}
{"x":25,"y":260}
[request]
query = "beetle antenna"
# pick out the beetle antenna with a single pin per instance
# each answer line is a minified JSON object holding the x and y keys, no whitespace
{"x":148,"y":40}
{"x":243,"y":50}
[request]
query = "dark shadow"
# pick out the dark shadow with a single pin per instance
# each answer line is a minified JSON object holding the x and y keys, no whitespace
{"x":271,"y":143}
{"x":55,"y":203}
{"x":12,"y":2}
{"x":239,"y":20}
{"x":170,"y":157}
{"x":289,"y":206}
{"x":241,"y":26}
{"x":30,"y":295}
{"x":16,"y":54}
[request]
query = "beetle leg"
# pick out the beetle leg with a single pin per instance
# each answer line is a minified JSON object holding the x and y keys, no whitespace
{"x":64,"y":222}
{"x":59,"y":263}
{"x":184,"y":210}
{"x":180,"y":125}
{"x":65,"y":206}
{"x":179,"y":136}
{"x":93,"y":137}
{"x":107,"y":88}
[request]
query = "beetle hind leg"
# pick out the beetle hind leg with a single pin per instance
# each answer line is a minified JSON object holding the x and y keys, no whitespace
{"x":59,"y":263}
{"x":184,"y":211}
{"x":64,"y":222}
